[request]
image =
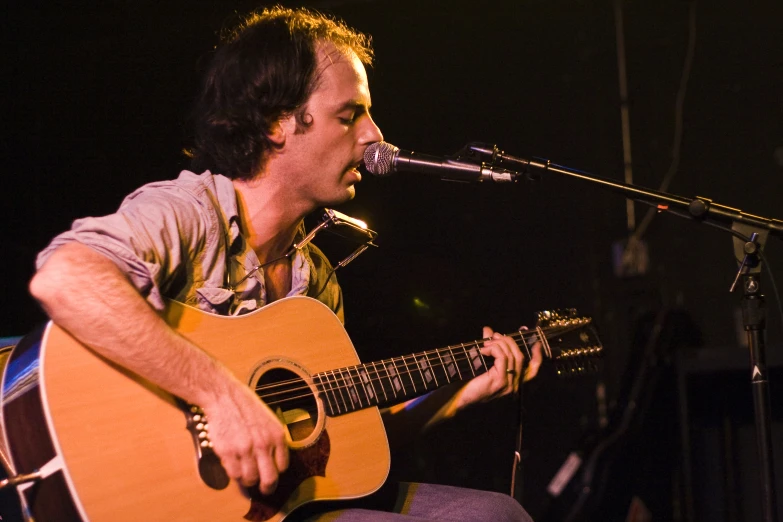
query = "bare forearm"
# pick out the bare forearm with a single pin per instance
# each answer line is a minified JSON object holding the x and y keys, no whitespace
{"x":87,"y":295}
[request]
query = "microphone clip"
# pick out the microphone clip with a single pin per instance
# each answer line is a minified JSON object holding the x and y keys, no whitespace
{"x":479,"y":152}
{"x":489,"y":153}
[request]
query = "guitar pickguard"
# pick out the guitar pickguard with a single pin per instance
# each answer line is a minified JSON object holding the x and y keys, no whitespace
{"x":303,"y":464}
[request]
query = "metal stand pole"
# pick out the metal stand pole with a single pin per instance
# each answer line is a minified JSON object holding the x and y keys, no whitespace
{"x":754,"y":319}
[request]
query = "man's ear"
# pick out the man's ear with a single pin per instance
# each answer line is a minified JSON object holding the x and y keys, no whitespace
{"x":283,"y":128}
{"x":277,"y":133}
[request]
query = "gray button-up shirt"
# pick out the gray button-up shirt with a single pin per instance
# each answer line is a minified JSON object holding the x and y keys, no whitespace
{"x":180,"y":239}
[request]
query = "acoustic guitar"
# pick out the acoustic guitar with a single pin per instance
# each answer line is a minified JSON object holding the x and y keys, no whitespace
{"x":103,"y":444}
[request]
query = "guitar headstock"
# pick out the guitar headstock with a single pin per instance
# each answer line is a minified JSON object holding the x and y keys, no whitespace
{"x":571,"y":341}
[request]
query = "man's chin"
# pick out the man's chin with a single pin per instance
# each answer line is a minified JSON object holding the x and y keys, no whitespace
{"x":344,"y":196}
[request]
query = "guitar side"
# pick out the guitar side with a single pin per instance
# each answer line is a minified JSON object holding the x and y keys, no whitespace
{"x":121,"y":442}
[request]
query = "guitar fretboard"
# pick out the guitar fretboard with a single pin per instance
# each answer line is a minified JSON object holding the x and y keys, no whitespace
{"x":395,"y":380}
{"x":391,"y":381}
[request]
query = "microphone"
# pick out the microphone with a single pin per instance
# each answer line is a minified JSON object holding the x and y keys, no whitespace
{"x":383,"y":159}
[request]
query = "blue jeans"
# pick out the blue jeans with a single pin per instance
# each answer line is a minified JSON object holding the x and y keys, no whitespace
{"x":414,"y":502}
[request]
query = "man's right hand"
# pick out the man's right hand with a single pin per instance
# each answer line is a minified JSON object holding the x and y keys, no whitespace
{"x":248,"y":437}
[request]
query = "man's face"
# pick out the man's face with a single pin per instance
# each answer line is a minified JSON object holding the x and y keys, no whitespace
{"x":320,"y":161}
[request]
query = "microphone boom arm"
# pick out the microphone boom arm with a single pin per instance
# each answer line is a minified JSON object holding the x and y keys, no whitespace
{"x":698,"y":208}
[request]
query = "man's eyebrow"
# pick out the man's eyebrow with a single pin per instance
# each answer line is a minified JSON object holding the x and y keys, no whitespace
{"x":355,"y":105}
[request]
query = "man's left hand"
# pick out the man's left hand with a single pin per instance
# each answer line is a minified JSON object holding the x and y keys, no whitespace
{"x":506,"y":373}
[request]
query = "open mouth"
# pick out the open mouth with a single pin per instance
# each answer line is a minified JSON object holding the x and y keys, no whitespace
{"x":353,"y":171}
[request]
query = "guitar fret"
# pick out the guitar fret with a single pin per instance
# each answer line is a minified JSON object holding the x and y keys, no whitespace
{"x":479,"y":363}
{"x":383,"y":388}
{"x":338,"y":393}
{"x":528,"y":354}
{"x":320,"y":387}
{"x":335,"y":408}
{"x":473,"y":361}
{"x":468,"y":359}
{"x":350,"y":389}
{"x":453,"y":363}
{"x":409,"y":373}
{"x":358,"y":386}
{"x":443,"y":366}
{"x":392,"y":378}
{"x":396,"y":381}
{"x":367,"y":385}
{"x":340,"y":389}
{"x":418,"y":364}
{"x":386,"y":382}
{"x":544,"y":343}
{"x":428,"y":373}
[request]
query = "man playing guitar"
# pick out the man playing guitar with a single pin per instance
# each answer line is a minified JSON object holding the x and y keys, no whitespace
{"x":282,"y":123}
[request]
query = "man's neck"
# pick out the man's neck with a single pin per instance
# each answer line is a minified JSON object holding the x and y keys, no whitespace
{"x":268,"y":221}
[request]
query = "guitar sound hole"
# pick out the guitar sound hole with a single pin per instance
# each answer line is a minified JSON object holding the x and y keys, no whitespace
{"x":291,"y":399}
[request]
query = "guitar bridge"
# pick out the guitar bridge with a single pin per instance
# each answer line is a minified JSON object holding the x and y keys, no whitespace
{"x":209,"y":467}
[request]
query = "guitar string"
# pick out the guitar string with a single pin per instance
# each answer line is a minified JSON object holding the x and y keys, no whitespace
{"x":518,"y":336}
{"x":338,"y":398}
{"x":339,"y":381}
{"x":386,"y":362}
{"x":375,"y":375}
{"x":335,"y":384}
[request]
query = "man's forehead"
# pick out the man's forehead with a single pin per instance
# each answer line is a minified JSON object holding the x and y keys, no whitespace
{"x":329,"y":54}
{"x":342,"y":69}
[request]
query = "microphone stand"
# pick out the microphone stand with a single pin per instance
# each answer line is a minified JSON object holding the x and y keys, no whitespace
{"x":750,"y":233}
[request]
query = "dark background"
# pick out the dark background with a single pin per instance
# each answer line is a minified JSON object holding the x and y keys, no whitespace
{"x":96,"y":94}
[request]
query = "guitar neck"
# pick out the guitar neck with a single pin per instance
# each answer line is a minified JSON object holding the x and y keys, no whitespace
{"x":391,"y":381}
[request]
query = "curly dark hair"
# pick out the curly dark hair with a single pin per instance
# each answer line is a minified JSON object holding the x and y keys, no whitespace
{"x":264,"y":70}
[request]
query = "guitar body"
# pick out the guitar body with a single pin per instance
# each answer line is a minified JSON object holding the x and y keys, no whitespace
{"x":113,"y":447}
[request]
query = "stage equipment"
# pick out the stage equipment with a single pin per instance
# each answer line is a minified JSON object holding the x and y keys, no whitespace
{"x":383,"y":159}
{"x":750,"y":233}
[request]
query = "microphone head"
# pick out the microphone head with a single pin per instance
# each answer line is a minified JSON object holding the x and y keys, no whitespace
{"x":379,"y":158}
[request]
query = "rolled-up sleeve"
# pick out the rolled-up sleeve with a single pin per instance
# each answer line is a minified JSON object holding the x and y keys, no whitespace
{"x":154,"y":231}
